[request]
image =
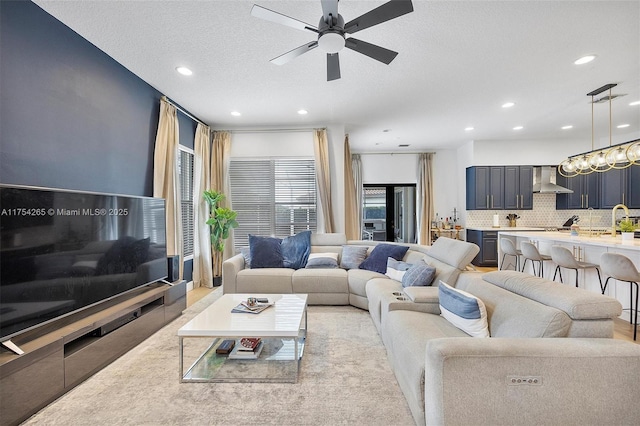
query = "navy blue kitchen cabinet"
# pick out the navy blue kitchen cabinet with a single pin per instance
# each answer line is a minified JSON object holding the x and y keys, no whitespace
{"x":620,"y":186}
{"x":586,"y":192}
{"x":485,"y":188}
{"x":518,"y":187}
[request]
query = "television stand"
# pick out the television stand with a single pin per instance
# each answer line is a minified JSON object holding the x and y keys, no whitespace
{"x":62,"y":354}
{"x":12,"y":347}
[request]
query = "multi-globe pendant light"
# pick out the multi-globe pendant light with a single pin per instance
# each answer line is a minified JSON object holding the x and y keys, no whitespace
{"x":618,"y":156}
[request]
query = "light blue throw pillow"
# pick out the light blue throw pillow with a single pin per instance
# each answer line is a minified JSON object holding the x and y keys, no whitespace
{"x":352,"y":256}
{"x":419,"y":274}
{"x":463,"y":310}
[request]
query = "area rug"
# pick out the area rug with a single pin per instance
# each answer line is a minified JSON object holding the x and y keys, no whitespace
{"x":345,"y":379}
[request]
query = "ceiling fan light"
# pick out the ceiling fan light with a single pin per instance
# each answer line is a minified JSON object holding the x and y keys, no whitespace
{"x":331,"y":42}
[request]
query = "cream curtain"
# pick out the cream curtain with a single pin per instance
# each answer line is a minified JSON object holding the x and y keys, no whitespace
{"x":202,"y":265}
{"x":425,"y":198}
{"x":165,"y":176}
{"x":356,"y":168}
{"x":323,"y":175}
{"x":351,"y":202}
{"x":220,"y":150}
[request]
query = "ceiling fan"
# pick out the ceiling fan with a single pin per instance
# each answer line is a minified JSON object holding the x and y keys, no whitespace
{"x":331,"y":32}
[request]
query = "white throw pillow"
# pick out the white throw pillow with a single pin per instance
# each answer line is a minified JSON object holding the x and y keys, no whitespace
{"x":322,"y":260}
{"x":463,"y":310}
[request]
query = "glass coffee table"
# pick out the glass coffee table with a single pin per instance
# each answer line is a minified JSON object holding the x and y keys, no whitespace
{"x":282,"y":329}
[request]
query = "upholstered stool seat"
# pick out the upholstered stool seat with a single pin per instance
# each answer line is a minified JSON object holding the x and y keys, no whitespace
{"x":563,"y":258}
{"x":509,"y":249}
{"x":621,"y":268}
{"x":530,"y":252}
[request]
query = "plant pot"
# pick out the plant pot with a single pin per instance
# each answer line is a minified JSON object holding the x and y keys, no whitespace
{"x":627,"y":236}
{"x":217,"y":281}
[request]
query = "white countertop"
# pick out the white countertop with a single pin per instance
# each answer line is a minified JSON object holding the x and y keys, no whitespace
{"x":507,"y":228}
{"x":605,"y":240}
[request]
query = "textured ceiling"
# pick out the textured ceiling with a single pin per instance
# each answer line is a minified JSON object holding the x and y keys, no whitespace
{"x":458,"y":62}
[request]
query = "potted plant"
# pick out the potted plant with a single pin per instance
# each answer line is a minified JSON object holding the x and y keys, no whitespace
{"x":221,"y":220}
{"x":627,"y":227}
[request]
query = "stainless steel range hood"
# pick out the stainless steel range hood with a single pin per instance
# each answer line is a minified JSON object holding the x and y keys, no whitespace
{"x":544,"y":181}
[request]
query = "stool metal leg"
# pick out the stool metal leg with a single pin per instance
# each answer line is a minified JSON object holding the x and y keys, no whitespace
{"x":635,"y":325}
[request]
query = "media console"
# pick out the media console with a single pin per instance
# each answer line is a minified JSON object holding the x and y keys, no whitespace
{"x":60,"y":355}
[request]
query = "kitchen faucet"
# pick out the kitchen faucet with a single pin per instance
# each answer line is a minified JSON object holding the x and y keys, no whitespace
{"x":613,"y":217}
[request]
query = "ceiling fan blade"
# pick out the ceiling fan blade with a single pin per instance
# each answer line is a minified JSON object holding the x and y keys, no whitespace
{"x":386,"y":12}
{"x":333,"y":66}
{"x":279,"y":18}
{"x":292,"y":54}
{"x":371,"y":50}
{"x":329,"y":7}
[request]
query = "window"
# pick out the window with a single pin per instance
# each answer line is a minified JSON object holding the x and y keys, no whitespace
{"x":185,"y":172}
{"x":273,"y":196}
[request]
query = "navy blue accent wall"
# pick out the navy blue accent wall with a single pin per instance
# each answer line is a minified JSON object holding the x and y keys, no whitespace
{"x":72,"y":117}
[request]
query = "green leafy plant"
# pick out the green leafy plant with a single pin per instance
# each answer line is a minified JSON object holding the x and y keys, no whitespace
{"x":627,"y":225}
{"x":221,"y":219}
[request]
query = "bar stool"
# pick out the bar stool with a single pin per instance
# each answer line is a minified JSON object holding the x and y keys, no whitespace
{"x":621,"y":268}
{"x":563,"y":257}
{"x":530,"y":252}
{"x":509,"y":249}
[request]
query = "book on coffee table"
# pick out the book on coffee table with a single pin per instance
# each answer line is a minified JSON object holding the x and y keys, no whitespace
{"x":255,"y":309}
{"x":240,"y":352}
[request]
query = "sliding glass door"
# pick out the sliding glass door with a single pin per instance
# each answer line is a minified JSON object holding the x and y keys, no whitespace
{"x":389,"y":213}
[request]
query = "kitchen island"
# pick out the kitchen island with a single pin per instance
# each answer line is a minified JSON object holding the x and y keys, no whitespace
{"x":584,"y":248}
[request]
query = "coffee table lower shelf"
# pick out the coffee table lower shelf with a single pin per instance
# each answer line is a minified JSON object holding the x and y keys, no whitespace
{"x":279,"y":362}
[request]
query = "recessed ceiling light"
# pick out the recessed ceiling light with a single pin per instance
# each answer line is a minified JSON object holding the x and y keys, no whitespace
{"x":303,"y":112}
{"x":518,"y":128}
{"x":235,"y":113}
{"x":184,"y":70}
{"x":508,"y":105}
{"x":634,"y":103}
{"x":567,"y":127}
{"x":386,"y":130}
{"x":468,"y":129}
{"x":584,"y":60}
{"x":622,"y":126}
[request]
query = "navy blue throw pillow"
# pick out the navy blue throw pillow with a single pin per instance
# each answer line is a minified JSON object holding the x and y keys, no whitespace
{"x":265,"y":252}
{"x":295,"y":250}
{"x":377,"y":260}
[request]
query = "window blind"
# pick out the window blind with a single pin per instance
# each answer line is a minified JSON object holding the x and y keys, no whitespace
{"x":185,"y":169}
{"x":274,"y":196}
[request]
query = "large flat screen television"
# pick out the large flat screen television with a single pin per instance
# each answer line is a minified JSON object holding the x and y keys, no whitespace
{"x":63,"y":251}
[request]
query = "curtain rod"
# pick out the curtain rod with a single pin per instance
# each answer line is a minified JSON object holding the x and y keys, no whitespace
{"x":394,"y":153}
{"x":169,"y":101}
{"x":309,"y":129}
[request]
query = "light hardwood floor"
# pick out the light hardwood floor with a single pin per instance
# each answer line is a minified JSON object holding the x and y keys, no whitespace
{"x":622,"y":329}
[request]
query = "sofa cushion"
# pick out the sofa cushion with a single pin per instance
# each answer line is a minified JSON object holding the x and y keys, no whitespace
{"x":265,"y":252}
{"x":576,"y":302}
{"x":320,"y":281}
{"x":264,"y":280}
{"x":377,"y":260}
{"x":358,"y":279}
{"x":419,"y":275}
{"x":295,"y":250}
{"x":396,"y":269}
{"x":352,"y":256}
{"x":453,"y":252}
{"x":463,"y":310}
{"x":512,"y":315}
{"x":322,"y":260}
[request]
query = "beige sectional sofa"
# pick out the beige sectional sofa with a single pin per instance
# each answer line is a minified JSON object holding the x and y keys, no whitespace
{"x":550,"y":358}
{"x":324,"y":286}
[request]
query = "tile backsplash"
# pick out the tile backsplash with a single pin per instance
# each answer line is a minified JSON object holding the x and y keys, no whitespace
{"x":544,"y":213}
